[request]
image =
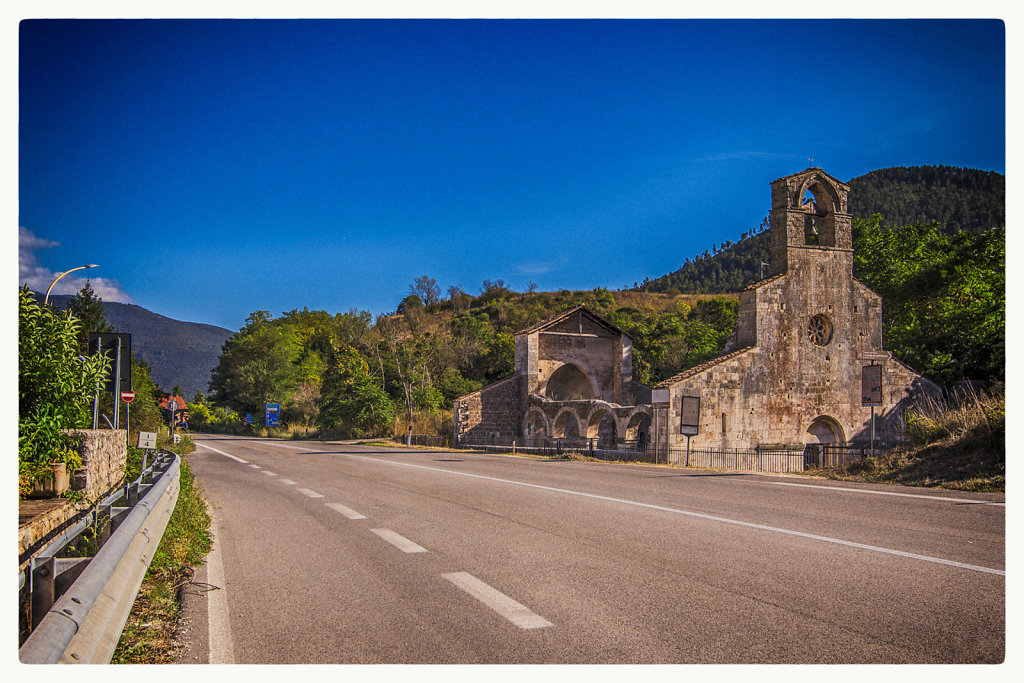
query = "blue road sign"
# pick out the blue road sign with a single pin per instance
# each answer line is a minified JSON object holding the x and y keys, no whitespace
{"x":273,"y":412}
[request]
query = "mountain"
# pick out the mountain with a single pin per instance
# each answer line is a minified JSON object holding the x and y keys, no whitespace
{"x":178,"y":352}
{"x":962,"y":199}
{"x":959,"y":198}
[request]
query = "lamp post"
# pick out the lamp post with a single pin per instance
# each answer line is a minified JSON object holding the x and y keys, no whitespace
{"x":46,"y":299}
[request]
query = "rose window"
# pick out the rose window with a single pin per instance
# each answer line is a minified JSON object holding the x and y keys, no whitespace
{"x":819,"y":330}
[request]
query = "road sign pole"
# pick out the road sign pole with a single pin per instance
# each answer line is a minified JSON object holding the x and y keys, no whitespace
{"x":117,"y":383}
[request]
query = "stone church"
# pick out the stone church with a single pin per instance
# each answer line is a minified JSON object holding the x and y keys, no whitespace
{"x":792,"y":373}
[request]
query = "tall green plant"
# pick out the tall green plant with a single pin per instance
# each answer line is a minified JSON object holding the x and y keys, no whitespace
{"x":55,"y":388}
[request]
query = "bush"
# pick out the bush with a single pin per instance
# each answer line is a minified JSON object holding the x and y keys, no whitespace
{"x":55,"y":389}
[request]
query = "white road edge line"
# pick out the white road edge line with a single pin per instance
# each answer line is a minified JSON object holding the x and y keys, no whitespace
{"x":347,"y":511}
{"x":518,"y":614}
{"x":294,"y":448}
{"x":228,"y":455}
{"x":698,"y":515}
{"x":221,"y":648}
{"x":889,"y":493}
{"x":399,"y":541}
{"x":310,"y":493}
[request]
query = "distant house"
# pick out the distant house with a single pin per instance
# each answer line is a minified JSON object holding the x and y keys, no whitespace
{"x":180,"y":410}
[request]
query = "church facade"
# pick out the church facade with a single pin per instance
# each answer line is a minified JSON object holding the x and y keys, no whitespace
{"x":794,"y":370}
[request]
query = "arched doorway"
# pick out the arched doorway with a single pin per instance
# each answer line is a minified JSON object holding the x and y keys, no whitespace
{"x":821,"y":433}
{"x":569,"y":383}
{"x":823,"y":430}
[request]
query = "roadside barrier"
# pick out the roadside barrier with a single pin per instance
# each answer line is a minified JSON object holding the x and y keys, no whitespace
{"x":86,"y":601}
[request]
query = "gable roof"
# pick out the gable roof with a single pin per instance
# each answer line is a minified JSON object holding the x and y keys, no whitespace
{"x":697,"y":369}
{"x":761,"y":283}
{"x":559,"y":317}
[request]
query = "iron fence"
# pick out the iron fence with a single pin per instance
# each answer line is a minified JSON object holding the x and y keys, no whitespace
{"x":435,"y":440}
{"x":767,"y":458}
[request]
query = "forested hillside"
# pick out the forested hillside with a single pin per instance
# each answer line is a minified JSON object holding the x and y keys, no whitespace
{"x":958,"y":198}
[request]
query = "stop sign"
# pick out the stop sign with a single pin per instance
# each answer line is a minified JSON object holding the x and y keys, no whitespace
{"x":127,"y":396}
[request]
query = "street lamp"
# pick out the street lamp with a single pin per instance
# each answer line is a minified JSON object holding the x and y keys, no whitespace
{"x":46,"y":299}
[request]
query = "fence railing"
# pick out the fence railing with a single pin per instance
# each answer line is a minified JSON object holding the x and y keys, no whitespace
{"x":77,"y":606}
{"x":796,"y":458}
{"x":438,"y":441}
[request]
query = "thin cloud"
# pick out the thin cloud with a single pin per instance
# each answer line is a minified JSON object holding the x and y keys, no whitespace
{"x":747,"y":154}
{"x":538,"y":267}
{"x":38,"y":277}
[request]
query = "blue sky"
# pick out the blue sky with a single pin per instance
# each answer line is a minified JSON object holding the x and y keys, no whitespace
{"x":214,"y":168}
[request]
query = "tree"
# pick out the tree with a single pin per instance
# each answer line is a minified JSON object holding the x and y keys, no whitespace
{"x":944,"y":296}
{"x":92,"y":317}
{"x":56,"y":385}
{"x":350,"y":397}
{"x":426,"y":290}
{"x":257,"y":365}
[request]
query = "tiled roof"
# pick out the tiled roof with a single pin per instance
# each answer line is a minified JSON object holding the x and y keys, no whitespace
{"x":665,"y":384}
{"x":536,"y":327}
{"x":178,"y":400}
{"x":765,"y":281}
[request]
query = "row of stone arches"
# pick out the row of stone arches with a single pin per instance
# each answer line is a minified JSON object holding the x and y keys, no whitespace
{"x":603,"y":425}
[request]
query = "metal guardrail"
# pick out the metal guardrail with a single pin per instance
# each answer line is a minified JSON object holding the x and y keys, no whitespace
{"x":86,"y":601}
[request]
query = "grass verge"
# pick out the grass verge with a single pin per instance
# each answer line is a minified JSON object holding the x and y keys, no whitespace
{"x":148,"y":635}
{"x":955,"y":444}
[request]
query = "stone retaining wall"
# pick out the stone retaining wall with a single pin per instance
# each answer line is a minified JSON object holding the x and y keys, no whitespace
{"x":104,"y":454}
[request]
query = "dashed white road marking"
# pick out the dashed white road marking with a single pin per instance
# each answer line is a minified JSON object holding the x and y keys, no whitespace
{"x":889,"y":493}
{"x":518,"y":614}
{"x":310,"y":493}
{"x":217,"y":450}
{"x":255,"y":467}
{"x":287,"y":482}
{"x":347,"y":511}
{"x":697,"y":515}
{"x":269,"y":473}
{"x":399,"y":541}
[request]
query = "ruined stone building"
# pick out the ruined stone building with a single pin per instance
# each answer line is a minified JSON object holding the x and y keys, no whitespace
{"x":573,"y":381}
{"x":791,"y":374}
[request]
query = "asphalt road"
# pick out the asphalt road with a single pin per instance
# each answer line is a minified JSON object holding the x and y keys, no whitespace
{"x":331,"y":553}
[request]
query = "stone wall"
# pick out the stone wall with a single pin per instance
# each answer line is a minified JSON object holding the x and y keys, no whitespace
{"x":491,"y":415}
{"x":104,"y":454}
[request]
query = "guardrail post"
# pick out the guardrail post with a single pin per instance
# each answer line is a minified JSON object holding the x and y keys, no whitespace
{"x":65,"y":571}
{"x":43,"y":588}
{"x":133,"y":494}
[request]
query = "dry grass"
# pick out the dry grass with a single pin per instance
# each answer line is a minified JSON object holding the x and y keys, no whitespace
{"x":957,"y":443}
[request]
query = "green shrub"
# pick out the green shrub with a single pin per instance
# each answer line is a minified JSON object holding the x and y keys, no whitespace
{"x":56,"y":386}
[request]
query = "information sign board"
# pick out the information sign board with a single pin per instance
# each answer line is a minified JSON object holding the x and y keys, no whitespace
{"x":147,"y":440}
{"x":689,"y":421}
{"x":272,"y":414}
{"x":871,"y":385}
